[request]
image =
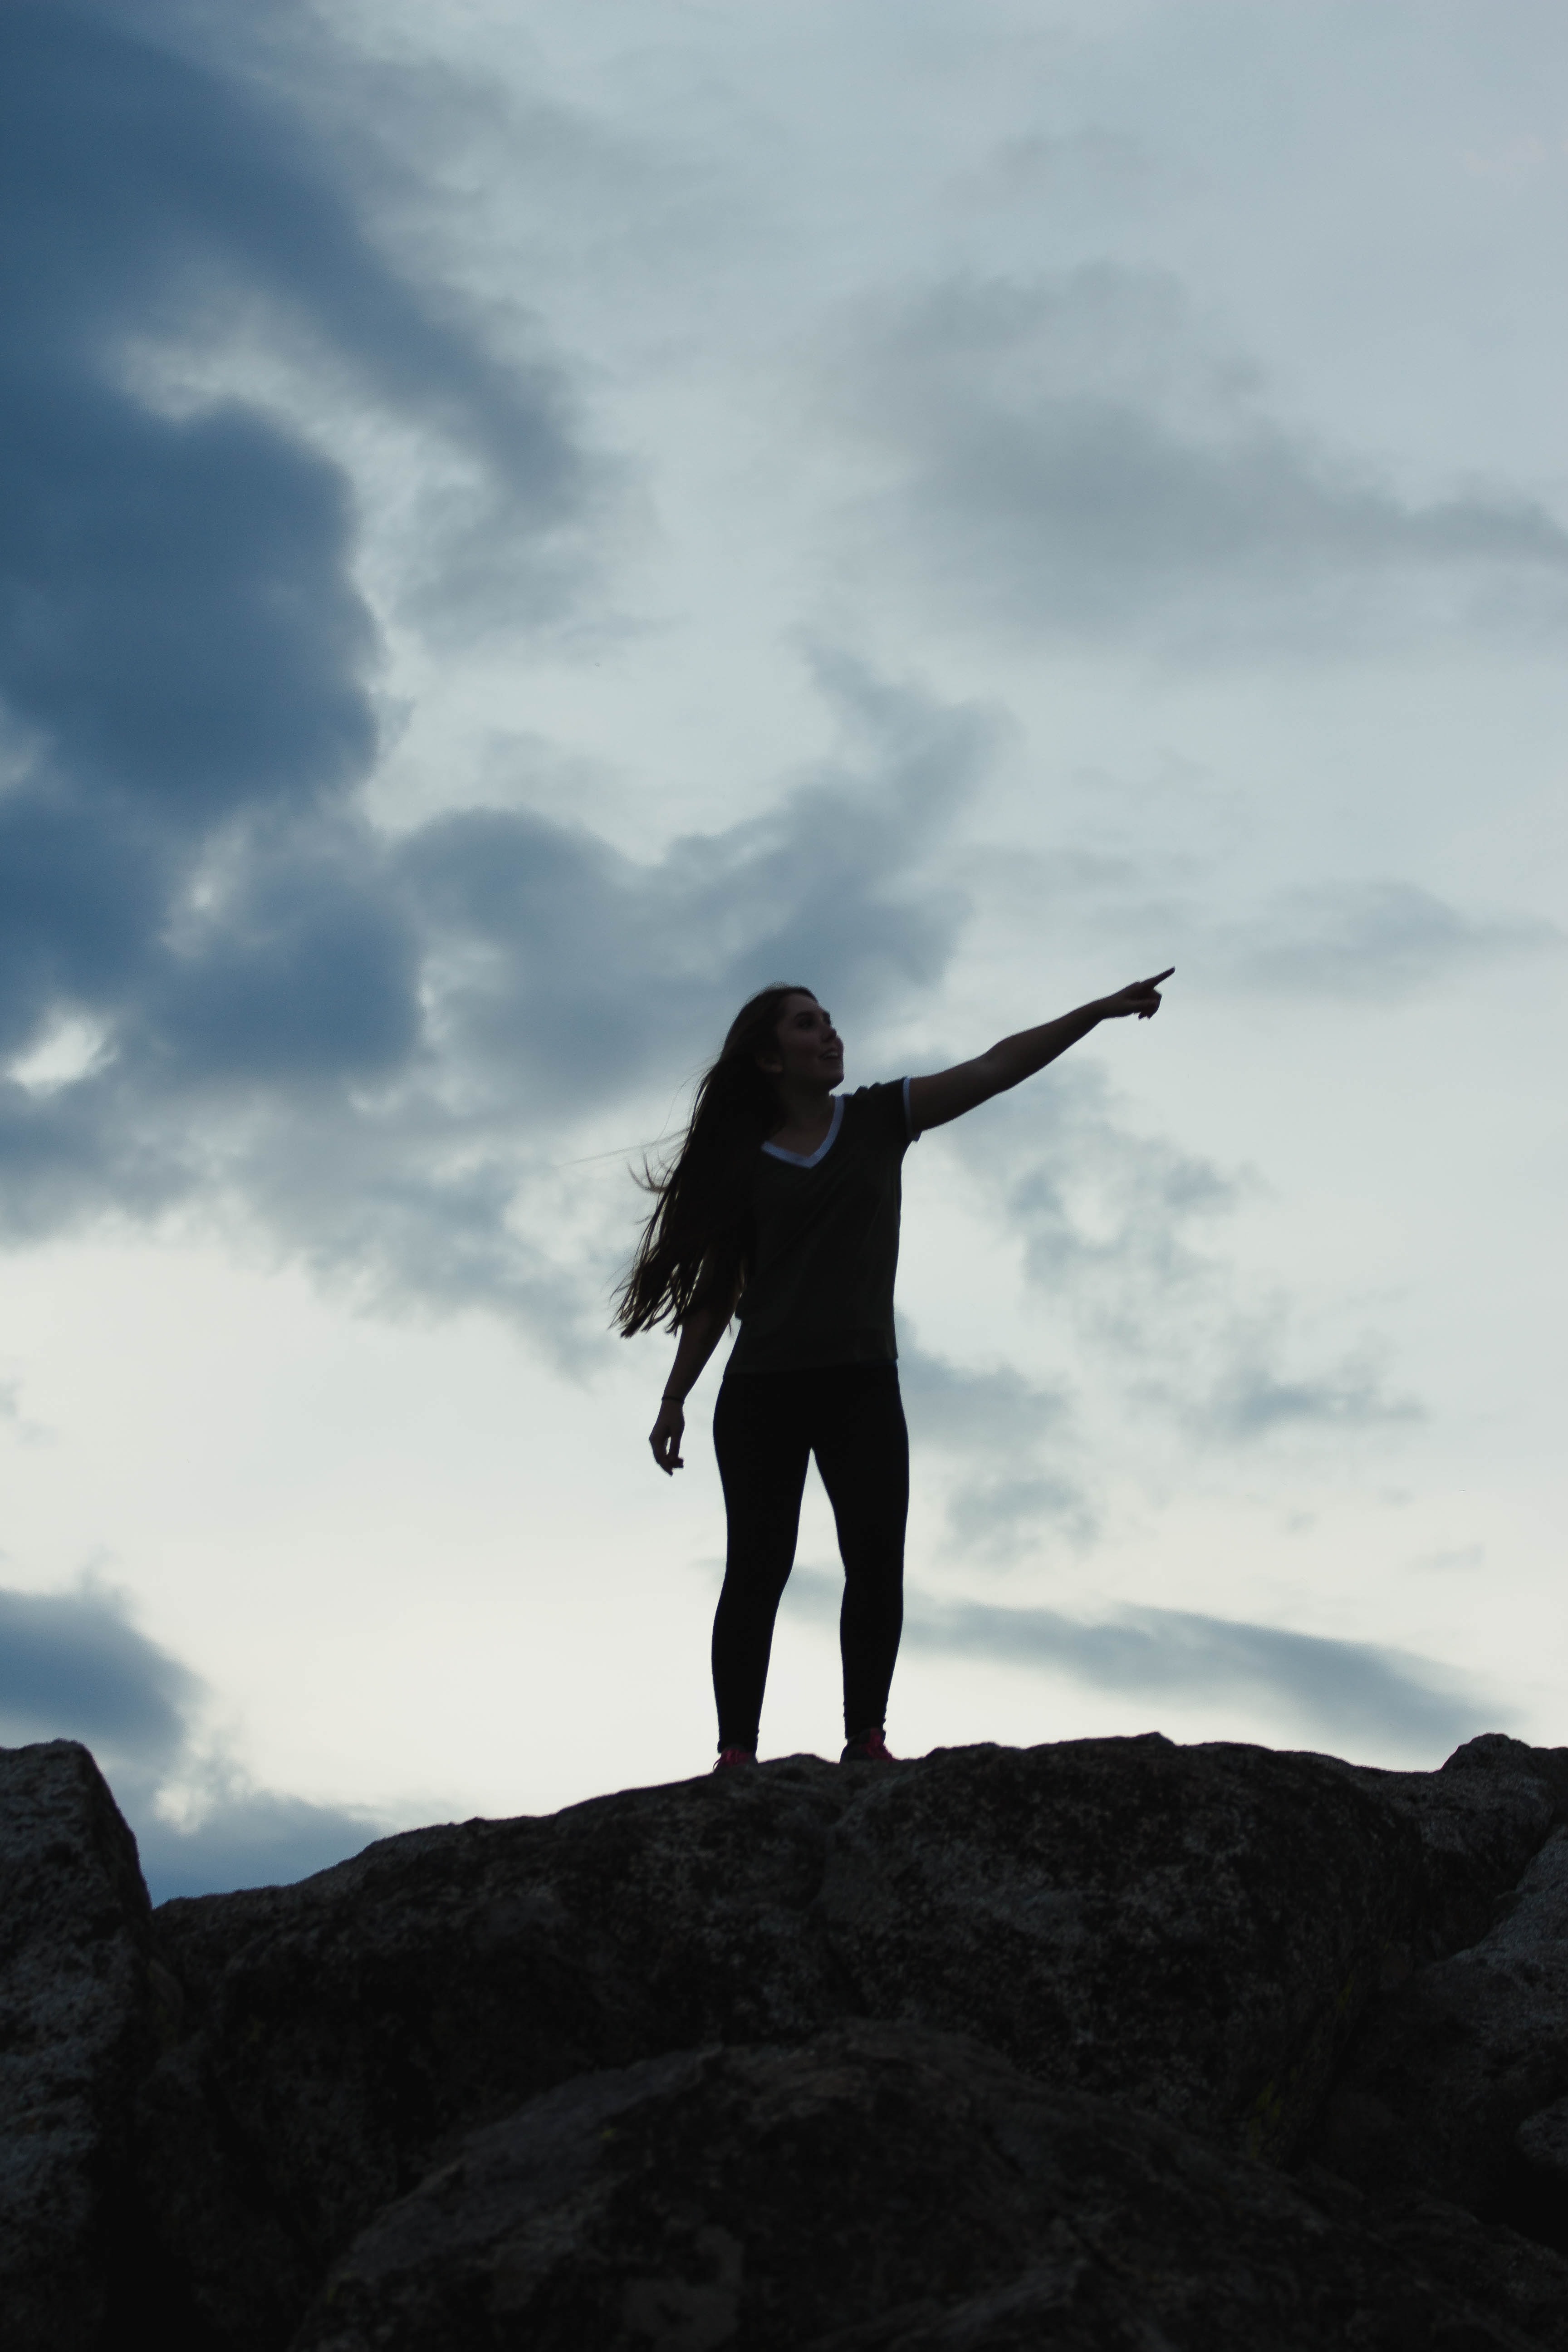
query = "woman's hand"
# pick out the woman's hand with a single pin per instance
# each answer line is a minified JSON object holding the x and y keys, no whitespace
{"x":664,"y":1436}
{"x":1141,"y":996}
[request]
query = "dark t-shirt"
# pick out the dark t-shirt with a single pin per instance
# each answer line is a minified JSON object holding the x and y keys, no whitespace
{"x":820,"y":1289}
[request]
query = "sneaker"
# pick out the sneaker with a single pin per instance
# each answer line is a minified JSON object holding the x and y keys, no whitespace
{"x":729,"y":1758}
{"x":867,"y":1748}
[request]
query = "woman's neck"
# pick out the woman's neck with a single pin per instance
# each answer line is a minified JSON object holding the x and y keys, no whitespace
{"x":807,"y":1120}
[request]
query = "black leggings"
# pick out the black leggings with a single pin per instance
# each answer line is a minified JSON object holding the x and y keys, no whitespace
{"x":766,"y":1426}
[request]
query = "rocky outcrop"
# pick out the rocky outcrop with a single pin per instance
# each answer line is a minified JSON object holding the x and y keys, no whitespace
{"x":878,"y":2186}
{"x":1101,"y":2043}
{"x":1458,"y":2085}
{"x":76,"y":1993}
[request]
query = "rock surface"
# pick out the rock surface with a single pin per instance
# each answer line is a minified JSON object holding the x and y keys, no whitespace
{"x":1457,"y":2086}
{"x":75,"y":2020}
{"x":993,"y":2048}
{"x":878,"y":2186}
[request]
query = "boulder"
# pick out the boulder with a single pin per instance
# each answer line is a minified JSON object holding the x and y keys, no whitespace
{"x":990,"y":1993}
{"x":1124,"y":1916}
{"x":76,"y":2024}
{"x":1479,"y":1818}
{"x":1460,"y":2084}
{"x":878,"y":2186}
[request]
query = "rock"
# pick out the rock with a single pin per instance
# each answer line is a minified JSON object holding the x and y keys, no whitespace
{"x":1454,"y":2086}
{"x":1480,"y":1820}
{"x":1543,"y":2140}
{"x":235,"y":2271}
{"x":1108,"y":1977}
{"x":1126,"y":1917}
{"x":76,"y":2011}
{"x":880,"y":2185}
{"x":1120,"y":1915}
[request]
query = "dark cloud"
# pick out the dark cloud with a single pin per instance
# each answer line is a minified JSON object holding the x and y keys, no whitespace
{"x":364,"y":1040}
{"x":74,"y":1666}
{"x":184,"y":652}
{"x":1075,"y":455}
{"x":159,"y":185}
{"x":248,"y":1837}
{"x":370,"y":1042}
{"x":559,"y":963}
{"x":308,"y":966}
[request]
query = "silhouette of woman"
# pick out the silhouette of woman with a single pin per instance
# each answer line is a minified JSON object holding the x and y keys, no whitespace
{"x":781,"y":1208}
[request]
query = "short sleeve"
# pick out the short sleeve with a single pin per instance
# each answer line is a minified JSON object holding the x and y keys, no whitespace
{"x":885,"y":1110}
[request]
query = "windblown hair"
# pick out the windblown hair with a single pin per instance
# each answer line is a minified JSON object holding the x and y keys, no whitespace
{"x":696,"y":1246}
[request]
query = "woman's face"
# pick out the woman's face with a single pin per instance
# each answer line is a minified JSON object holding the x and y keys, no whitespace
{"x":809,"y":1046}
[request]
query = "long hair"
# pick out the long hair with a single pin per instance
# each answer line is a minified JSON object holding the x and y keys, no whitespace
{"x":696,"y":1245}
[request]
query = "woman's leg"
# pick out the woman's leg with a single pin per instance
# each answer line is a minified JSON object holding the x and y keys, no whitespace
{"x":862,"y":1448}
{"x":760,"y":1438}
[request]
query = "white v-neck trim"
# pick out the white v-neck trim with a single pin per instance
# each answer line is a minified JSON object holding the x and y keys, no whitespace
{"x":810,"y":1159}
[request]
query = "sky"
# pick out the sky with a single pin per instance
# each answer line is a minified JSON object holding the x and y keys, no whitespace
{"x":523,"y":525}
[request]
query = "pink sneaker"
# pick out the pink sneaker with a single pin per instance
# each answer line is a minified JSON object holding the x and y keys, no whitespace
{"x":867,"y":1748}
{"x":729,"y":1758}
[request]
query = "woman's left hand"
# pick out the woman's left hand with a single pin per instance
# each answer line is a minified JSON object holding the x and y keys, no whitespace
{"x":666,"y":1434}
{"x":1141,"y":996}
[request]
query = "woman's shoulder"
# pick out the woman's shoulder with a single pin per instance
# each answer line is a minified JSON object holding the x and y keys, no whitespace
{"x":883,"y":1109}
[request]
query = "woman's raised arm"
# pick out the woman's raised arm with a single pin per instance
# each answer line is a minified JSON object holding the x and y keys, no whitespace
{"x":950,"y":1093}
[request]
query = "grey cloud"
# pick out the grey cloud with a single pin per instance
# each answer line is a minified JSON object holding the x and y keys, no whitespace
{"x":74,"y":1666}
{"x":558,"y":961}
{"x":182,"y":644}
{"x":363,"y":1041}
{"x":1253,"y":1397}
{"x":1075,"y":455}
{"x":169,"y":188}
{"x":248,"y":1837}
{"x":1382,"y":941}
{"x":14,"y":1421}
{"x":183,"y":651}
{"x":1010,"y":1437}
{"x":309,"y":967}
{"x":1094,"y":168}
{"x":1101,"y":1208}
{"x":1350,"y":1691}
{"x":963,"y":1410}
{"x":1465,"y":1560}
{"x":370,"y":1042}
{"x":1353,"y":1692}
{"x":1124,"y":1232}
{"x":999,"y":1517}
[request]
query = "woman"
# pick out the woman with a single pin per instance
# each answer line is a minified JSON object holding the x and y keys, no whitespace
{"x":781,"y":1208}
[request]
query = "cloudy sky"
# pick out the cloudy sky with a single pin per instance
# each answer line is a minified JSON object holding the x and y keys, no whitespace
{"x":522,"y":524}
